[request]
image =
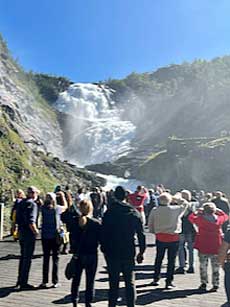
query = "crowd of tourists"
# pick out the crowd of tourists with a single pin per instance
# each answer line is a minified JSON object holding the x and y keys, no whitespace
{"x":116,"y":221}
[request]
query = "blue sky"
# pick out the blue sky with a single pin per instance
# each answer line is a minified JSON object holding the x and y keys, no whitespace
{"x":93,"y":40}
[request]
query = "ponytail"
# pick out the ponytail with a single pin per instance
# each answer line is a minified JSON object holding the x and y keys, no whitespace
{"x":86,"y":208}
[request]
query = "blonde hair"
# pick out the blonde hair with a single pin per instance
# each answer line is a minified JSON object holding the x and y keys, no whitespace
{"x":86,"y":208}
{"x":21,"y":193}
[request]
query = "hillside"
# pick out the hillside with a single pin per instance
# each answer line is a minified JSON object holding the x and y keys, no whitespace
{"x":187,"y":100}
{"x":30,"y":135}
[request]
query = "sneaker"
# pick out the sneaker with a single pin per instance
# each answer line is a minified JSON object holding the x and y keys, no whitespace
{"x":57,"y":285}
{"x":27,"y":287}
{"x":214,"y":289}
{"x":191,"y":270}
{"x":43,"y":286}
{"x":169,"y":285}
{"x":203,"y":287}
{"x":180,"y":270}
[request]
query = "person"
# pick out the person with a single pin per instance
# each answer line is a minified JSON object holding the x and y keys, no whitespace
{"x":137,"y":200}
{"x":80,"y":195}
{"x":187,"y":235}
{"x":151,"y":202}
{"x":85,"y":232}
{"x":223,"y":204}
{"x":208,"y":240}
{"x":51,"y":224}
{"x":96,"y":200}
{"x":20,"y":195}
{"x":165,"y":223}
{"x":61,"y":201}
{"x":120,"y":224}
{"x":26,"y":217}
{"x":68,"y":196}
{"x":224,"y":261}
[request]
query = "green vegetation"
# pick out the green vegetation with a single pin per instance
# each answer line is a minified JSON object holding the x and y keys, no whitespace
{"x":19,"y":167}
{"x":49,"y":86}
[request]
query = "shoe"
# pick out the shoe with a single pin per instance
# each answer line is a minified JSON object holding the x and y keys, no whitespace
{"x":27,"y":287}
{"x":57,"y":285}
{"x":190,"y":270}
{"x":169,"y":285}
{"x":214,"y":289}
{"x":155,"y":282}
{"x":203,"y":287}
{"x":180,"y":270}
{"x":43,"y":286}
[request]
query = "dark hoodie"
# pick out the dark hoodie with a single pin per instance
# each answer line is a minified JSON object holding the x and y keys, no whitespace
{"x":120,"y":224}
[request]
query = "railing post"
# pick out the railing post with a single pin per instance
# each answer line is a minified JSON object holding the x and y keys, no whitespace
{"x":1,"y":220}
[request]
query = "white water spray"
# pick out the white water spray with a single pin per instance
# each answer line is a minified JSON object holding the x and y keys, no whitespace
{"x":97,"y":132}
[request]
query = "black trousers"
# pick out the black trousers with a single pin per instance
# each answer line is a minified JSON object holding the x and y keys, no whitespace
{"x":89,"y":264}
{"x":48,"y":246}
{"x":27,"y":245}
{"x":172,"y":249}
{"x":227,"y":280}
{"x":126,"y":267}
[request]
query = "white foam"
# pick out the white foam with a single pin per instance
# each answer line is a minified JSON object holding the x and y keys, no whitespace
{"x":97,"y":133}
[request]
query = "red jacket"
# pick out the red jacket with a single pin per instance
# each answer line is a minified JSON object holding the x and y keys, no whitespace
{"x":137,"y":200}
{"x":209,"y":237}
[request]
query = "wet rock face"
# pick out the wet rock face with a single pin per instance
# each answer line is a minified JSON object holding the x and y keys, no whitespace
{"x":32,"y":118}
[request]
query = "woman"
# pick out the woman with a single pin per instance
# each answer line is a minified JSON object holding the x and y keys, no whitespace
{"x":61,"y":201}
{"x":208,"y":240}
{"x":85,"y":234}
{"x":51,"y":224}
{"x":20,"y":195}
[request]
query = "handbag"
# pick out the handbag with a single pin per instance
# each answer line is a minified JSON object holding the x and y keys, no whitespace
{"x":71,"y":267}
{"x":70,"y":270}
{"x":61,"y":235}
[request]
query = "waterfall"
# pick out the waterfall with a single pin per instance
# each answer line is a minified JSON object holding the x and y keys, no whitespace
{"x":96,"y":130}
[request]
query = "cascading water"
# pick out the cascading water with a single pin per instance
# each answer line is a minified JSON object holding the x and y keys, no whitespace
{"x":96,"y":132}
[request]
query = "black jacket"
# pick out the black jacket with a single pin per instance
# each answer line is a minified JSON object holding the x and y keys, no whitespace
{"x":120,"y":224}
{"x":83,"y":240}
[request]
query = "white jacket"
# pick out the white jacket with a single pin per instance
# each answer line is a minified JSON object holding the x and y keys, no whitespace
{"x":166,"y":218}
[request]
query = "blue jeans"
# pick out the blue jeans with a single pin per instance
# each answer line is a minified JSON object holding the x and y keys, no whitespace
{"x":172,"y":248}
{"x":27,"y":245}
{"x":186,"y":238}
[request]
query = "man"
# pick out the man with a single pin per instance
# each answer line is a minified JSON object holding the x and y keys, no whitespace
{"x":120,"y":224}
{"x":27,"y":214}
{"x":165,"y":223}
{"x":96,"y":199}
{"x":138,"y":199}
{"x":187,"y":235}
{"x":223,"y":204}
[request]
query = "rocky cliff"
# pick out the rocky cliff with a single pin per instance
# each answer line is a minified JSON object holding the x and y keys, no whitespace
{"x":29,"y":132}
